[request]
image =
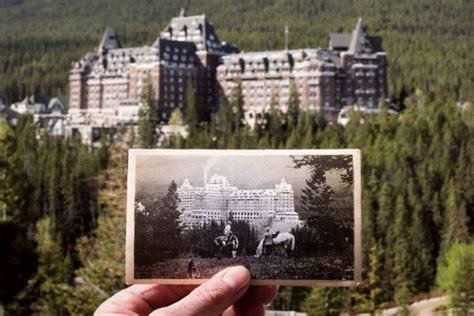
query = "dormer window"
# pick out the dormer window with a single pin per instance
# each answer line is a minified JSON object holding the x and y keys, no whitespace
{"x":242,"y":65}
{"x":185,"y":30}
{"x":266,"y":64}
{"x":170,"y":31}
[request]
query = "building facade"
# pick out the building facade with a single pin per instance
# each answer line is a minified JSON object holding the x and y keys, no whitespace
{"x":353,"y":70}
{"x":115,"y":80}
{"x":108,"y":86}
{"x":218,"y":200}
{"x":49,"y":116}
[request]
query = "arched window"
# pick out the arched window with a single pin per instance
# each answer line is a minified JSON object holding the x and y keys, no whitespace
{"x":170,"y":31}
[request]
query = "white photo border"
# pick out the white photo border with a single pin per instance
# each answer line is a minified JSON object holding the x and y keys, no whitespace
{"x":130,"y":216}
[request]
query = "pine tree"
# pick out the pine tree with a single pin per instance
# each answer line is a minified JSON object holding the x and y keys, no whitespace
{"x":293,"y":142}
{"x":176,"y":117}
{"x":55,"y":188}
{"x":103,"y":152}
{"x":293,"y":112}
{"x":385,"y":211}
{"x":191,"y":116}
{"x":421,"y":240}
{"x":376,"y":275}
{"x":146,"y":127}
{"x":131,"y":136}
{"x":306,"y":131}
{"x":456,"y":276}
{"x":237,"y":106}
{"x":55,"y":272}
{"x":326,"y":301}
{"x":456,"y":227}
{"x":167,"y":226}
{"x":402,"y":256}
{"x":224,"y":122}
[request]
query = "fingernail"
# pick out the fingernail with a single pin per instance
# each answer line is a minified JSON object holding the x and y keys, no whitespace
{"x":236,"y":277}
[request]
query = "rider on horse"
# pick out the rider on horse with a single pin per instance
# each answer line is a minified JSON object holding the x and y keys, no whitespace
{"x":227,"y":240}
{"x":228,"y":229}
{"x":268,"y":239}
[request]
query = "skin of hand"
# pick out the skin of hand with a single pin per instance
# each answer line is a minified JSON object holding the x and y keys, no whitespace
{"x":227,"y":293}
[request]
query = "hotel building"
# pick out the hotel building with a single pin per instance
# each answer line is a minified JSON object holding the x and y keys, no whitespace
{"x":218,"y":200}
{"x":107,"y":86}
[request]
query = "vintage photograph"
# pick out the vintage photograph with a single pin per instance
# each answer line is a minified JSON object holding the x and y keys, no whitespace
{"x":289,"y":216}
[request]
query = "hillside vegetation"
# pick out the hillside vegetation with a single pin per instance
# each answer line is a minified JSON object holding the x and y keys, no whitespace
{"x":429,"y":43}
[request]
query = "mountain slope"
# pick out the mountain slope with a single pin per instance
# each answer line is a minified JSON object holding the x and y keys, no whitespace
{"x":429,"y":43}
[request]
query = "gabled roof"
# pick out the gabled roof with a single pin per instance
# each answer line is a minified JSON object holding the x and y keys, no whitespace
{"x":196,"y":29}
{"x":339,"y":41}
{"x":56,"y":105}
{"x":109,"y":41}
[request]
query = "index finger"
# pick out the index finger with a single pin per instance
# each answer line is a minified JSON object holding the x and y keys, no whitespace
{"x":143,"y":299}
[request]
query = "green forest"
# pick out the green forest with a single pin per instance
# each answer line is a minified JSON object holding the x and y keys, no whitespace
{"x":429,"y":43}
{"x":63,"y":203}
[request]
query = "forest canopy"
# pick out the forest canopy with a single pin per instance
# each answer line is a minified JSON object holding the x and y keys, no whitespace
{"x":429,"y":43}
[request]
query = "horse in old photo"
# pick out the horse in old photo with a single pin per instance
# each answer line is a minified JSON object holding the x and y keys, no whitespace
{"x":285,"y":240}
{"x":225,"y":243}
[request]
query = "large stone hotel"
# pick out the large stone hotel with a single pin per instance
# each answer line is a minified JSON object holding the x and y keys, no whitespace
{"x":107,"y":86}
{"x":218,"y":201}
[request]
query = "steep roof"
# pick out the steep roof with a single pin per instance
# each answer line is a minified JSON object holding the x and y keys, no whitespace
{"x":110,"y":40}
{"x":196,"y":29}
{"x":56,"y":105}
{"x":339,"y":41}
{"x":357,"y":37}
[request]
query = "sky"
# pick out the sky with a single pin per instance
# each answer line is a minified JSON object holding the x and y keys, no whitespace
{"x":153,"y":173}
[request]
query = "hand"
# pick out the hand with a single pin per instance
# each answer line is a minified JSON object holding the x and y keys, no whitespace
{"x":227,"y":293}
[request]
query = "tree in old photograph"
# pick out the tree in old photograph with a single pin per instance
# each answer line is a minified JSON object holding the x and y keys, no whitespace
{"x":323,"y":232}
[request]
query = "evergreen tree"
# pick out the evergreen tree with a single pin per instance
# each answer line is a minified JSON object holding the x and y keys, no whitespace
{"x":456,"y":276}
{"x":385,"y":211}
{"x":401,"y":248}
{"x":176,"y":117}
{"x":191,"y":117}
{"x":293,"y":112}
{"x":237,"y":106}
{"x":326,"y":301}
{"x":146,"y":127}
{"x":224,"y":122}
{"x":376,"y":276}
{"x":167,"y":226}
{"x":293,"y":141}
{"x":18,"y":263}
{"x":54,"y":273}
{"x":308,"y":140}
{"x":421,"y":240}
{"x":456,"y":227}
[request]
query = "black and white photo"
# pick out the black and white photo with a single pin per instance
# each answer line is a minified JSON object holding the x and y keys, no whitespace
{"x":290,"y":216}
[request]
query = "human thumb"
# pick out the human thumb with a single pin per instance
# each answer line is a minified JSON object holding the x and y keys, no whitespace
{"x":214,"y":296}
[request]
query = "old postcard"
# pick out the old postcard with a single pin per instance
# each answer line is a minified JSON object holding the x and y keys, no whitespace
{"x":292,"y":217}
